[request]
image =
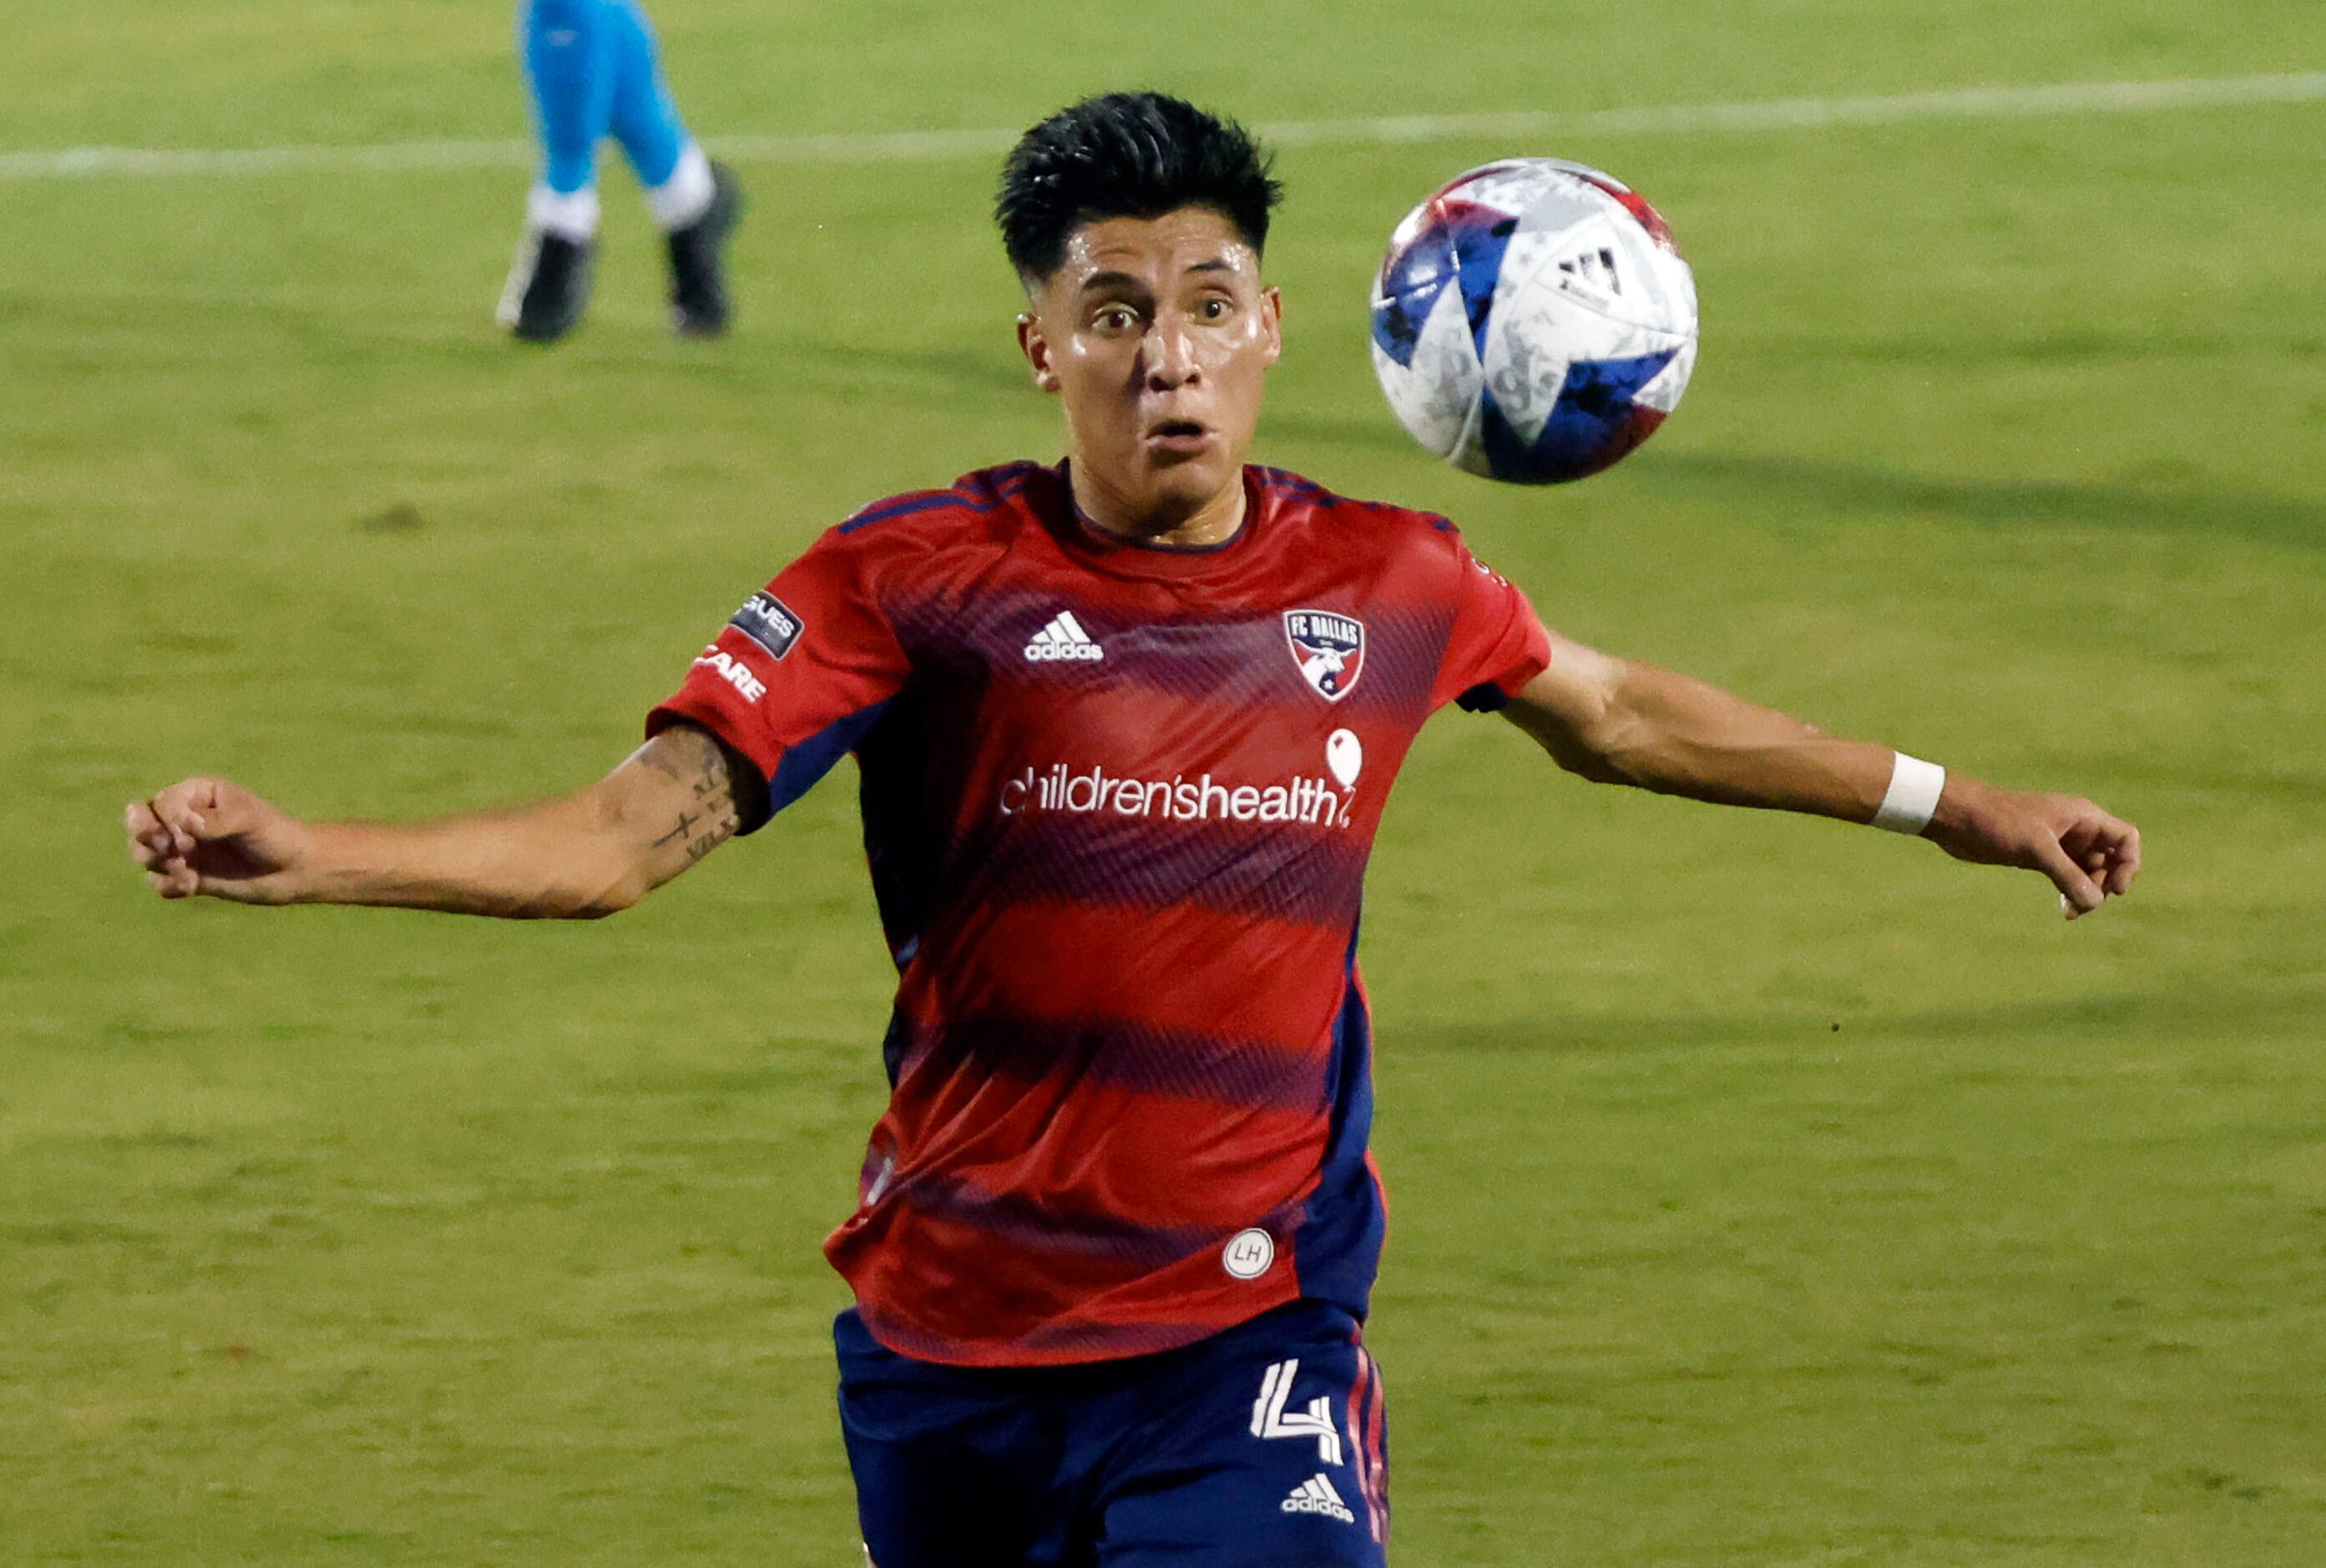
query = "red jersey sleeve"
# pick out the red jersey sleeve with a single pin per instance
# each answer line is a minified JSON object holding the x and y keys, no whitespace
{"x":1497,"y":644}
{"x":800,"y":674}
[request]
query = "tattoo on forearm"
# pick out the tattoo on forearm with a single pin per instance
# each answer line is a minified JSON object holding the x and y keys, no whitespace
{"x":690,"y":757}
{"x":713,"y":832}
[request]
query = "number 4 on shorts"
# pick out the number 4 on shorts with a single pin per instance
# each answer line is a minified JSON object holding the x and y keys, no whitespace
{"x":1268,"y":1418}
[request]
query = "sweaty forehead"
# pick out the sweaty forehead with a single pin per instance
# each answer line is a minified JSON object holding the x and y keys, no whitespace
{"x":1158,"y":249}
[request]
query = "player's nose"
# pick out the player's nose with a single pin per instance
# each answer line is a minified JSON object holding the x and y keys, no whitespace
{"x":1170,"y":359}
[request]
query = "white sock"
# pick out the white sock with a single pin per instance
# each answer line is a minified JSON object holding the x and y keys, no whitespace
{"x":686,"y":195}
{"x":567,"y":216}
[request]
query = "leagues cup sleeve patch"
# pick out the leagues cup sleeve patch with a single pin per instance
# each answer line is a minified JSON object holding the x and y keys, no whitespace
{"x":766,"y":620}
{"x":1329,"y":648}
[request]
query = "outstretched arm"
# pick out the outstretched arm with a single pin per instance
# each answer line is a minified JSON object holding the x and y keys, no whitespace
{"x":577,"y":856}
{"x":1616,"y":720}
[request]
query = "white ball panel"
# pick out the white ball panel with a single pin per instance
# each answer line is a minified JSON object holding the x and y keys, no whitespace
{"x":1437,"y":395}
{"x":1534,"y":336}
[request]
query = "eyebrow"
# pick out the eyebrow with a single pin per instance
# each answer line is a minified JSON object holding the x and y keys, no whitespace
{"x":1100,"y":281}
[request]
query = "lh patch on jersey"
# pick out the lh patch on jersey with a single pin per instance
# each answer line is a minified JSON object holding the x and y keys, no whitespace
{"x":1329,"y":648}
{"x":765,"y":620}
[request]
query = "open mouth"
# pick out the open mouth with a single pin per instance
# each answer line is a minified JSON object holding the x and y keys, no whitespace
{"x":1176,"y":431}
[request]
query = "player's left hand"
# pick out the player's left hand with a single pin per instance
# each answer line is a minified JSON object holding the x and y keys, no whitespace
{"x":2089,"y":855}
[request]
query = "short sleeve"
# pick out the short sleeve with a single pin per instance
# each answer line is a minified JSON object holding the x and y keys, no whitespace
{"x":800,"y":674}
{"x":1497,"y":643}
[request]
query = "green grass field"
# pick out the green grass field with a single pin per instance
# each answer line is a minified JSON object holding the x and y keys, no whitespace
{"x":1766,"y":1192}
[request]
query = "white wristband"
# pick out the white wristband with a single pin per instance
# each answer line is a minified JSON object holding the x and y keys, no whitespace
{"x":1914,"y":788}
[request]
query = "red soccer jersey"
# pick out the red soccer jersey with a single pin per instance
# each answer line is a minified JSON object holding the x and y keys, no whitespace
{"x":1118,"y":802}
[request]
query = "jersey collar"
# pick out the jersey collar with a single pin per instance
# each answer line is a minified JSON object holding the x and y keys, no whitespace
{"x":1093,"y":546}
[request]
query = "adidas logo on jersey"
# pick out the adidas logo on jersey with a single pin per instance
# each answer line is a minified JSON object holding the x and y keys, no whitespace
{"x":1063,"y":639}
{"x":1317,"y":1495}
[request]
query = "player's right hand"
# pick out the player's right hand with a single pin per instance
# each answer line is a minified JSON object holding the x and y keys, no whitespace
{"x":212,"y":838}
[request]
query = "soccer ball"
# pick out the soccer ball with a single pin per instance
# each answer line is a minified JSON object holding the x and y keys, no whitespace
{"x":1533,"y":322}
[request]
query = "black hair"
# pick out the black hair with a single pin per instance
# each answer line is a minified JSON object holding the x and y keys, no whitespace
{"x":1127,"y":155}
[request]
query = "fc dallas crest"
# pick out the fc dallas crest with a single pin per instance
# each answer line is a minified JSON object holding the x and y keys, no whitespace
{"x":1329,"y":648}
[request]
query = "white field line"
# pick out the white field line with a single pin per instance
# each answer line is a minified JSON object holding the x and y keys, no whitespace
{"x":931,"y":147}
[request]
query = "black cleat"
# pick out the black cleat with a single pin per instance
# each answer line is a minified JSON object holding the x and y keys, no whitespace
{"x":698,"y":271}
{"x":548,"y":284}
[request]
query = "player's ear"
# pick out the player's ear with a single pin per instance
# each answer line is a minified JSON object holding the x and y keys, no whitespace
{"x":1272,"y":315}
{"x":1036,"y":349}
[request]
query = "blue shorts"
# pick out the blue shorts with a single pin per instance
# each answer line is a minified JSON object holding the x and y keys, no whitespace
{"x":1262,"y":1447}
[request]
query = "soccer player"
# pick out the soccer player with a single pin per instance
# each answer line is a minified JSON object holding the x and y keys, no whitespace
{"x":1126,"y":725}
{"x":594,"y":72}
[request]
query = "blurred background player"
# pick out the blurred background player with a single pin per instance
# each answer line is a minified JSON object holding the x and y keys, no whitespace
{"x":594,"y":72}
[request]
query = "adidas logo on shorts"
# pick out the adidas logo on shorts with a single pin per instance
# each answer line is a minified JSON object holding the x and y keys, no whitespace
{"x":1063,"y":639}
{"x":1317,"y":1495}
